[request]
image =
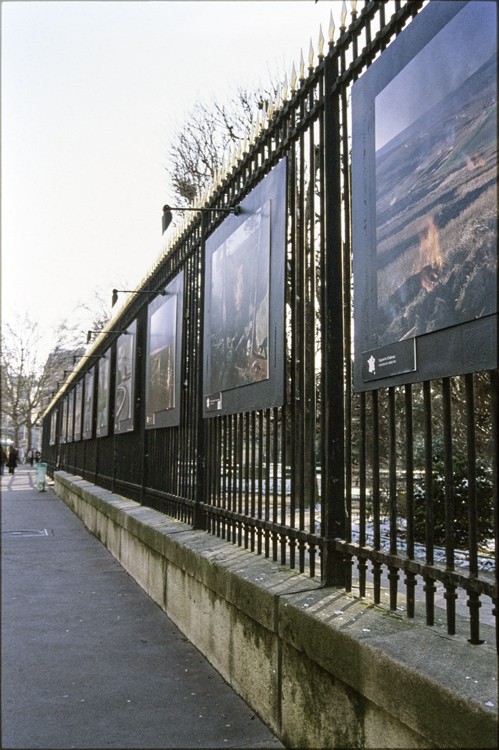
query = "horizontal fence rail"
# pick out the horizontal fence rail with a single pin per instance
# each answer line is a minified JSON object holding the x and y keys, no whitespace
{"x":390,"y":494}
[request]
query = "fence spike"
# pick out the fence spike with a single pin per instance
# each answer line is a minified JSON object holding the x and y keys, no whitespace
{"x":354,"y":7}
{"x":293,"y":78}
{"x":302,"y":64}
{"x":331,"y":28}
{"x":343,"y":15}
{"x":311,"y":55}
{"x":321,"y":43}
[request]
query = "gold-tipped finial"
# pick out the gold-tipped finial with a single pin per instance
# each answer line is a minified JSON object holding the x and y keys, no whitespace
{"x":321,"y":43}
{"x":293,"y":78}
{"x":302,"y":66}
{"x":331,"y":28}
{"x":311,"y":55}
{"x":343,"y":15}
{"x":354,"y":7}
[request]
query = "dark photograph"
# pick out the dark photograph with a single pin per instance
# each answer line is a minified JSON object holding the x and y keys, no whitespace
{"x":162,"y":347}
{"x":436,"y":182}
{"x":78,"y":406}
{"x":103,"y":395}
{"x":64,"y":426}
{"x":71,"y":398}
{"x":239,"y":305}
{"x":88,"y":404}
{"x":124,"y":377}
{"x":53,"y":427}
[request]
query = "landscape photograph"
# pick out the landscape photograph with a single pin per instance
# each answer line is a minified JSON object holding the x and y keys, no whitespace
{"x":239,"y":306}
{"x":436,"y":184}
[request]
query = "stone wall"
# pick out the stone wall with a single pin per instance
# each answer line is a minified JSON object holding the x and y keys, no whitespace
{"x":320,"y":667}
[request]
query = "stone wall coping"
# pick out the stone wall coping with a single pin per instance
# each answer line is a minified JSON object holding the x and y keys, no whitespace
{"x":439,"y":685}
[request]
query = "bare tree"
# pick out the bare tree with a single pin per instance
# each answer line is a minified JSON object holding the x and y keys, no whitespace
{"x":22,"y":376}
{"x":29,"y":380}
{"x":205,"y":136}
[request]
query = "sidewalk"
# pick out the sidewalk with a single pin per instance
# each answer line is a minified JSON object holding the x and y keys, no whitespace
{"x":88,"y":659}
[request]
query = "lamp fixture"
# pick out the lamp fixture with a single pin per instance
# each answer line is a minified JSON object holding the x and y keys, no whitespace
{"x":132,"y":291}
{"x":167,"y":212}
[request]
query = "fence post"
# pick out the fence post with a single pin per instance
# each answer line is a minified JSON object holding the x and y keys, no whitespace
{"x":200,"y":495}
{"x":333,"y":460}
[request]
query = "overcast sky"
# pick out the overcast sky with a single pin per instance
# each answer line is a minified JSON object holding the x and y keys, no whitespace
{"x":90,"y":91}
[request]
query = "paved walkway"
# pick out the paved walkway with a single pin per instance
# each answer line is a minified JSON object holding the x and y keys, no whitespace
{"x":88,"y":659}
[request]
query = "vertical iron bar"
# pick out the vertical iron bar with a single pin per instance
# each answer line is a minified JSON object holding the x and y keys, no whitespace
{"x":494,"y":408}
{"x":275,"y":479}
{"x":393,"y":575}
{"x":198,"y":519}
{"x":429,"y":586}
{"x":376,"y":496}
{"x":362,"y":565}
{"x":333,"y":460}
{"x":410,"y":579}
{"x":450,"y":590}
{"x":473,"y":602}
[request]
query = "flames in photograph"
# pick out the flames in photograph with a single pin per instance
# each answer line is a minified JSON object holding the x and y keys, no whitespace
{"x":430,"y":257}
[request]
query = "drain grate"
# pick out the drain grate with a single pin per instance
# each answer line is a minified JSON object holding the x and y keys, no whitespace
{"x":26,"y":532}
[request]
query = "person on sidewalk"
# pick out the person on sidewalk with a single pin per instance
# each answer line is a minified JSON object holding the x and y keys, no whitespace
{"x":12,"y":459}
{"x":3,"y":459}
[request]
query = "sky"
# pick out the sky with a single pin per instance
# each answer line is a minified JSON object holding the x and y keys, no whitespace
{"x":90,"y":95}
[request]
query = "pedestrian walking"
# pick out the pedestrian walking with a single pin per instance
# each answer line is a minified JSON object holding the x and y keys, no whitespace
{"x":3,"y":459}
{"x":12,"y":459}
{"x":31,"y":457}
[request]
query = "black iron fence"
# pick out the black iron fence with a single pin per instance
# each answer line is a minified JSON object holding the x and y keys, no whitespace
{"x":383,"y":493}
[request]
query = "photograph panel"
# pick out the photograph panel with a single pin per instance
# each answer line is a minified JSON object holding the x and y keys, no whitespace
{"x":53,"y":427}
{"x":244,"y":351}
{"x":436,"y":182}
{"x":78,"y":410}
{"x":88,"y":404}
{"x":162,"y":346}
{"x":424,"y":208}
{"x":164,"y":356}
{"x":69,"y":434}
{"x":64,"y":425}
{"x":103,"y":382}
{"x":125,"y":380}
{"x":239,"y":305}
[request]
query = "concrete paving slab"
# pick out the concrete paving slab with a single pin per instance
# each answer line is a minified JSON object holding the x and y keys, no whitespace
{"x":88,"y":659}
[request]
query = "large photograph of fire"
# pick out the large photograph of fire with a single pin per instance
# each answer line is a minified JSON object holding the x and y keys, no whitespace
{"x":436,"y":182}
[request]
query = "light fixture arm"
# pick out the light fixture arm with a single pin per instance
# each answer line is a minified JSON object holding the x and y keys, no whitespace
{"x":167,"y":212}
